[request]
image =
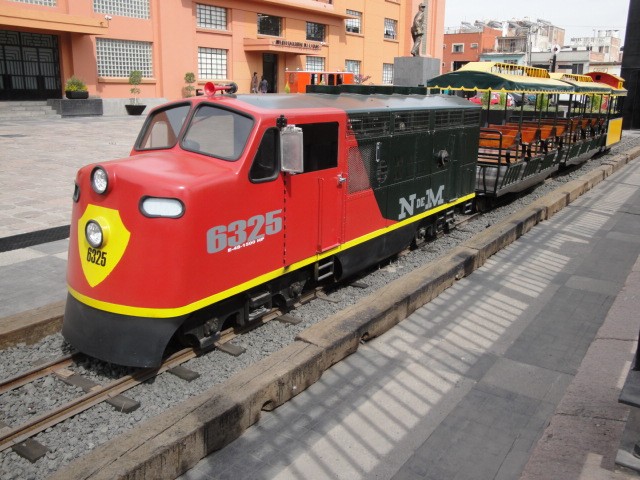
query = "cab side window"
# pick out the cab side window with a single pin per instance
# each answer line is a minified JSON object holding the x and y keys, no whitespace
{"x":265,"y":163}
{"x":320,"y":145}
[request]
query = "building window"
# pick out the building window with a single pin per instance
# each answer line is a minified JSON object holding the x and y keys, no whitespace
{"x":269,"y":25}
{"x":387,"y":73}
{"x":390,"y":29}
{"x":212,"y":17}
{"x":46,"y":3}
{"x":118,"y":58}
{"x":123,"y":8}
{"x":474,"y":45}
{"x":457,"y":48}
{"x":315,"y":64}
{"x":352,"y":66}
{"x":212,"y":63}
{"x":315,"y":32}
{"x":354,"y":25}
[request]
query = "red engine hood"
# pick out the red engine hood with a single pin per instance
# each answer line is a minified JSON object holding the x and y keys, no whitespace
{"x":172,"y":169}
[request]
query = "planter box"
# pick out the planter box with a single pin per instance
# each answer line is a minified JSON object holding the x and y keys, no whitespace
{"x":76,"y":95}
{"x":90,"y":107}
{"x":135,"y":109}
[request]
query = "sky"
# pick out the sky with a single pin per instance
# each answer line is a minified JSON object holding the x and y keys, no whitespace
{"x":578,"y":18}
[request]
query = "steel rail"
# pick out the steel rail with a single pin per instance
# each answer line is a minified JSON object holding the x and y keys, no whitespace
{"x":12,"y":436}
{"x":37,"y":372}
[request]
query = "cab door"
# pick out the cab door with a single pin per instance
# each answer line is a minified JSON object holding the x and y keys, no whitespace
{"x":314,"y":199}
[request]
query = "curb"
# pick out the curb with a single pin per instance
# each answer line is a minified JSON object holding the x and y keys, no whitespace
{"x":30,"y":327}
{"x":168,"y":445}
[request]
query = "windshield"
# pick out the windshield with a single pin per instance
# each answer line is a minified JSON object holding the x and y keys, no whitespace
{"x":217,"y":132}
{"x":163,"y":128}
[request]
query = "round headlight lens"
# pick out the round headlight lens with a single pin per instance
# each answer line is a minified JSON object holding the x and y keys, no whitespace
{"x":93,"y":233}
{"x":99,"y":180}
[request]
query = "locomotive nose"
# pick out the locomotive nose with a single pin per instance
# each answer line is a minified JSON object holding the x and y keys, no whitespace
{"x":102,"y":241}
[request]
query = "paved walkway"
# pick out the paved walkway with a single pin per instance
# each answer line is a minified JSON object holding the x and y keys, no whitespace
{"x":39,"y":160}
{"x":513,"y":371}
{"x":38,"y":164}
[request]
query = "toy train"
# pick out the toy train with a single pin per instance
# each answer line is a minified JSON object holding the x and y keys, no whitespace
{"x":230,"y":205}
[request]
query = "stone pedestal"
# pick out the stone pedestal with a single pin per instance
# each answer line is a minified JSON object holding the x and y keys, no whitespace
{"x":414,"y":71}
{"x":76,"y":108}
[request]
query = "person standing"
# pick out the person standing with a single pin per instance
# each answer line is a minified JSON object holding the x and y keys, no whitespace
{"x":264,"y":85}
{"x":254,"y":83}
{"x":417,"y":30}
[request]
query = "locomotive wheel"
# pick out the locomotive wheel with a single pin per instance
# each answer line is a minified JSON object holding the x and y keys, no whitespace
{"x":200,"y":335}
{"x":419,"y":238}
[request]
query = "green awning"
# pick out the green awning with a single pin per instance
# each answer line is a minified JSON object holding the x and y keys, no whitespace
{"x":471,"y":80}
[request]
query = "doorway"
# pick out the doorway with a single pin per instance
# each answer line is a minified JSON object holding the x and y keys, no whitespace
{"x":29,"y":66}
{"x":270,"y":71}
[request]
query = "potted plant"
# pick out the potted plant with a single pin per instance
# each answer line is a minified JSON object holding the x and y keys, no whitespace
{"x":135,"y":79}
{"x":189,"y":79}
{"x":75,"y":88}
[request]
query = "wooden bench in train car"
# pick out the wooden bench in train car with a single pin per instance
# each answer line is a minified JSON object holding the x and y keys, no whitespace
{"x":497,"y":147}
{"x":559,"y":124}
{"x":527,"y":134}
{"x":598,"y":125}
{"x":497,"y":139}
{"x":560,"y":129}
{"x":546,"y":131}
{"x":575,"y":129}
{"x":553,"y":130}
{"x":548,"y":135}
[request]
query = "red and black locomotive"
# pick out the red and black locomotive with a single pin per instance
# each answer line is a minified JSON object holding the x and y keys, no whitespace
{"x":230,"y":205}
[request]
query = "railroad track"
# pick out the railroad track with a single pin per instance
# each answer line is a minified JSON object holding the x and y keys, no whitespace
{"x":11,"y":436}
{"x":111,"y":393}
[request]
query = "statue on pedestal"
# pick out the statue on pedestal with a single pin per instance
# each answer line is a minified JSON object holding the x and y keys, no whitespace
{"x":417,"y":30}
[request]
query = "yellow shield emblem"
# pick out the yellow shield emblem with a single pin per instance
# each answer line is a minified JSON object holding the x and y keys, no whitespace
{"x":98,"y":263}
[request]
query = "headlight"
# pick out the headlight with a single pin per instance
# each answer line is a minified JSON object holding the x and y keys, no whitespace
{"x":93,"y":233}
{"x":162,"y":207}
{"x":99,"y":180}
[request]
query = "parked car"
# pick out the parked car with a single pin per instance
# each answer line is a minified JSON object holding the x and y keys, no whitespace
{"x":519,"y":99}
{"x":495,"y":98}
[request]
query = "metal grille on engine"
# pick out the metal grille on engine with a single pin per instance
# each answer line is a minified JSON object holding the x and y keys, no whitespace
{"x":359,"y":167}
